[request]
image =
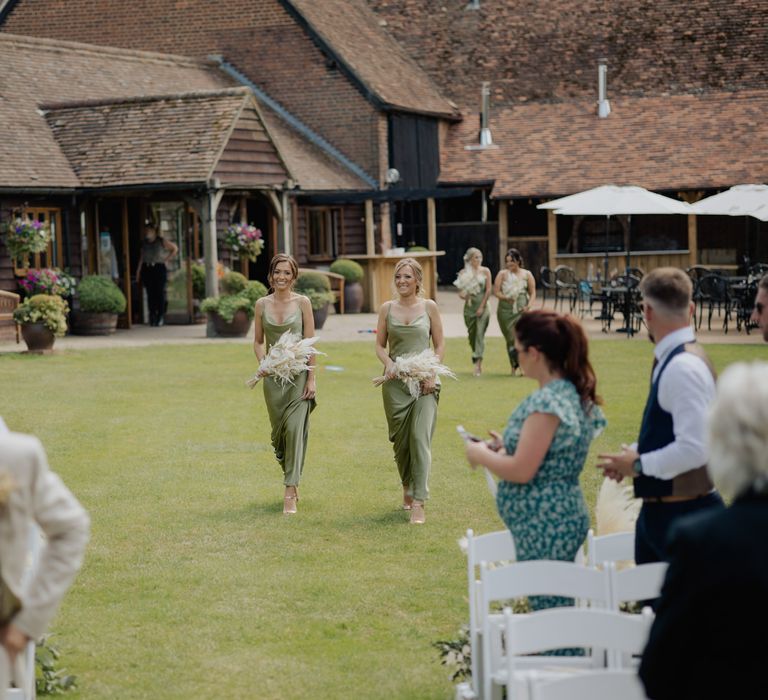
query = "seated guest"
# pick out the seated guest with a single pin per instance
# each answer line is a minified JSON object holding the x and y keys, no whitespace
{"x":31,"y":493}
{"x":708,"y":638}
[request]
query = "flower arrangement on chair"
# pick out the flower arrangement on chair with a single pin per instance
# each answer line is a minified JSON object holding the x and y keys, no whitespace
{"x":244,"y":240}
{"x":27,"y":236}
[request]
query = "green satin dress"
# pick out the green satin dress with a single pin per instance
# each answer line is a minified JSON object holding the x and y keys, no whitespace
{"x":288,"y":412}
{"x":411,"y":421}
{"x":476,"y":325}
{"x":507,"y":313}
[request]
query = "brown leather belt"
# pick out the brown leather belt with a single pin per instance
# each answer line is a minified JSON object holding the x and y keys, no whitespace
{"x":673,"y":499}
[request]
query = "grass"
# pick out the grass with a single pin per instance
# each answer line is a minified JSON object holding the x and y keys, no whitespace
{"x":195,"y":584}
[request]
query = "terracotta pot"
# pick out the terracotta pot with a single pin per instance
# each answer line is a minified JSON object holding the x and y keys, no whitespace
{"x":353,"y":297}
{"x":320,"y":315}
{"x":37,"y":337}
{"x":93,"y":323}
{"x":239,"y":326}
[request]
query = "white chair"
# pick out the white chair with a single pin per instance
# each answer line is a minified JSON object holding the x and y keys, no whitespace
{"x":622,"y":635}
{"x":617,"y":547}
{"x":609,"y":684}
{"x":33,"y":556}
{"x":637,"y":584}
{"x":528,"y":578}
{"x":491,"y":547}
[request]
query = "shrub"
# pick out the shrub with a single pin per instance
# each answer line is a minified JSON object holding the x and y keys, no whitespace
{"x":254,"y":291}
{"x":318,"y":299}
{"x":48,"y":309}
{"x":350,"y":270}
{"x":227,"y":305}
{"x":100,"y":295}
{"x":312,"y":280}
{"x":198,"y":281}
{"x":233,"y":283}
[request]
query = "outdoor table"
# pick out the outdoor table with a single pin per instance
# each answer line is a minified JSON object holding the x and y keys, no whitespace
{"x":625,"y":299}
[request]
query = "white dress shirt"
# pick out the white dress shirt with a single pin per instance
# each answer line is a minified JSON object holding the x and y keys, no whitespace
{"x":686,"y":390}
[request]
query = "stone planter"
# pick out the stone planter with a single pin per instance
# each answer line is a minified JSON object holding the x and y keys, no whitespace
{"x":353,"y":297}
{"x":320,"y":315}
{"x":93,"y":323}
{"x":239,"y":326}
{"x":37,"y":337}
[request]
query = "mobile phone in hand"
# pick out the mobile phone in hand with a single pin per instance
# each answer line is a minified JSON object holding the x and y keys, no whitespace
{"x":467,"y":437}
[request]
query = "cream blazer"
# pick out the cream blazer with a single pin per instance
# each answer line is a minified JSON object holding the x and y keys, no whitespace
{"x":31,"y":492}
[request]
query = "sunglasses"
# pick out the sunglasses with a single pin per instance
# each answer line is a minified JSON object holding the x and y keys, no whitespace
{"x":759,"y":307}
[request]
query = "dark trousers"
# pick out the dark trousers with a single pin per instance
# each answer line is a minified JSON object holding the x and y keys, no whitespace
{"x":154,"y":278}
{"x":656,"y":519}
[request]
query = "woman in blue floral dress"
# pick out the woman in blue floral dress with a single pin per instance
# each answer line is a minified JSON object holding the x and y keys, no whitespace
{"x":545,"y":444}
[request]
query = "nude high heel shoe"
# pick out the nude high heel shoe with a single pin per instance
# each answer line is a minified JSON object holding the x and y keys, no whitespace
{"x":418,"y":517}
{"x":290,"y":500}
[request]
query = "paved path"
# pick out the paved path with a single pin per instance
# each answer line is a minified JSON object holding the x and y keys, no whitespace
{"x":348,"y":327}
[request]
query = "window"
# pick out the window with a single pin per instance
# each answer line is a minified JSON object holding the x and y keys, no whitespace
{"x":323,"y":232}
{"x":51,"y":216}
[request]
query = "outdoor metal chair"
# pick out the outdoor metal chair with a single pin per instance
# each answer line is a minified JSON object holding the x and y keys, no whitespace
{"x":567,"y":286}
{"x":713,"y":293}
{"x":548,"y":283}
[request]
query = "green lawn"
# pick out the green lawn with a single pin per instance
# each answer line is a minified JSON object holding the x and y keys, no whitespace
{"x":195,"y":585}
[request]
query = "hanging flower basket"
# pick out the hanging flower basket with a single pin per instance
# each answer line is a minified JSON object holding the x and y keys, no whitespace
{"x":25,"y":237}
{"x":244,"y":240}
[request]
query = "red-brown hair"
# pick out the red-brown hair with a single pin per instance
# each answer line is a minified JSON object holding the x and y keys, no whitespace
{"x":282,"y":257}
{"x":562,"y":340}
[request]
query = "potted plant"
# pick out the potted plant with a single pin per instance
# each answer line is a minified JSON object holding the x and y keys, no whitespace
{"x":25,"y":237}
{"x":244,"y":240}
{"x":99,"y":300}
{"x":198,"y":290}
{"x":352,"y":272}
{"x":232,"y":312}
{"x":317,"y":289}
{"x":42,"y":317}
{"x":47,"y":281}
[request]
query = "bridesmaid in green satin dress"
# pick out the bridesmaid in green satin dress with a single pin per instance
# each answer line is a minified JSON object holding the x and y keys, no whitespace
{"x":288,"y":407}
{"x":476,"y":311}
{"x":515,"y":288}
{"x":406,"y":326}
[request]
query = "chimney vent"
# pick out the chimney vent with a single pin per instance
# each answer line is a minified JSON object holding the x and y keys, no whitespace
{"x":603,"y":105}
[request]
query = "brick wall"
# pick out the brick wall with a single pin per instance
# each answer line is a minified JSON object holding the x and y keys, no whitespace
{"x":259,"y":38}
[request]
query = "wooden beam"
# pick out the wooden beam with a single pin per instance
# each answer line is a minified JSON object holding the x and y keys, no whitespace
{"x":551,"y":239}
{"x":370,"y":242}
{"x":693,"y":241}
{"x":127,"y":276}
{"x":431,"y":224}
{"x":503,"y":230}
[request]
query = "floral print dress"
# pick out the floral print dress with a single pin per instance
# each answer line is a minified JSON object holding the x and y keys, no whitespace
{"x":548,"y":516}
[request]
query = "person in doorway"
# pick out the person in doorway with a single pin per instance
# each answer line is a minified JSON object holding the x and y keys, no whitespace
{"x":408,"y":325}
{"x":288,"y":406}
{"x":474,"y":285}
{"x":760,"y":312}
{"x":668,"y":462}
{"x":515,"y":288}
{"x":152,"y":270}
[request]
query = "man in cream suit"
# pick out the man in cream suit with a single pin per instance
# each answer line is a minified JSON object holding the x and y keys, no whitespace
{"x":31,"y":493}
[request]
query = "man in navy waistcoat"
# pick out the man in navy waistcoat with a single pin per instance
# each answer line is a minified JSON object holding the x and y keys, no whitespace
{"x":668,"y":462}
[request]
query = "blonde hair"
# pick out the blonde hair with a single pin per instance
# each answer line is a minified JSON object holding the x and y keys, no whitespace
{"x":283,"y":257}
{"x":738,"y":429}
{"x":471,"y":252}
{"x":418,"y":273}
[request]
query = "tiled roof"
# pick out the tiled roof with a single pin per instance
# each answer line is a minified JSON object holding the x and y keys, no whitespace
{"x":676,"y":142}
{"x":146,"y":140}
{"x":533,"y":50}
{"x":355,"y":35}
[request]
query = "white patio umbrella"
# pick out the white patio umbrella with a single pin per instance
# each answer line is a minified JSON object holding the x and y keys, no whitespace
{"x":740,"y":200}
{"x":614,"y":200}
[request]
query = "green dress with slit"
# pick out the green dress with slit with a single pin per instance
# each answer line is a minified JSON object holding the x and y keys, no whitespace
{"x":288,"y":412}
{"x":508,"y":313}
{"x":476,"y":325}
{"x":411,"y":421}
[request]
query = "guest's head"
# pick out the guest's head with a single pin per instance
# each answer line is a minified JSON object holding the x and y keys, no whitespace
{"x":562,"y":342}
{"x":760,"y":312}
{"x":513,"y":260}
{"x":667,"y":300}
{"x":408,"y":277}
{"x":150,"y":231}
{"x":283,"y":271}
{"x":473,"y":256}
{"x":738,"y":429}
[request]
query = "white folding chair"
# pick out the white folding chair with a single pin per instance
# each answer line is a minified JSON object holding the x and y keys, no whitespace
{"x":33,"y":555}
{"x":617,"y":547}
{"x":491,"y":547}
{"x":609,"y":684}
{"x":640,"y":583}
{"x":621,"y":634}
{"x":528,"y":578}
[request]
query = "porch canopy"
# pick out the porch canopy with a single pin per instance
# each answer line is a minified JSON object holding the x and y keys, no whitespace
{"x":740,"y":200}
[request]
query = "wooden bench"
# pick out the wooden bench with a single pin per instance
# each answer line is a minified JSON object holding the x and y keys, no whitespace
{"x":8,"y":303}
{"x":336,"y":281}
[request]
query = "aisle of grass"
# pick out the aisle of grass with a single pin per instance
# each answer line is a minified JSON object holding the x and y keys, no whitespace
{"x":195,"y":584}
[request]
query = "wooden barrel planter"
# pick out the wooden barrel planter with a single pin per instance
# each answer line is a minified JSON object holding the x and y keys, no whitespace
{"x":237,"y":328}
{"x":93,"y":323}
{"x":37,"y":337}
